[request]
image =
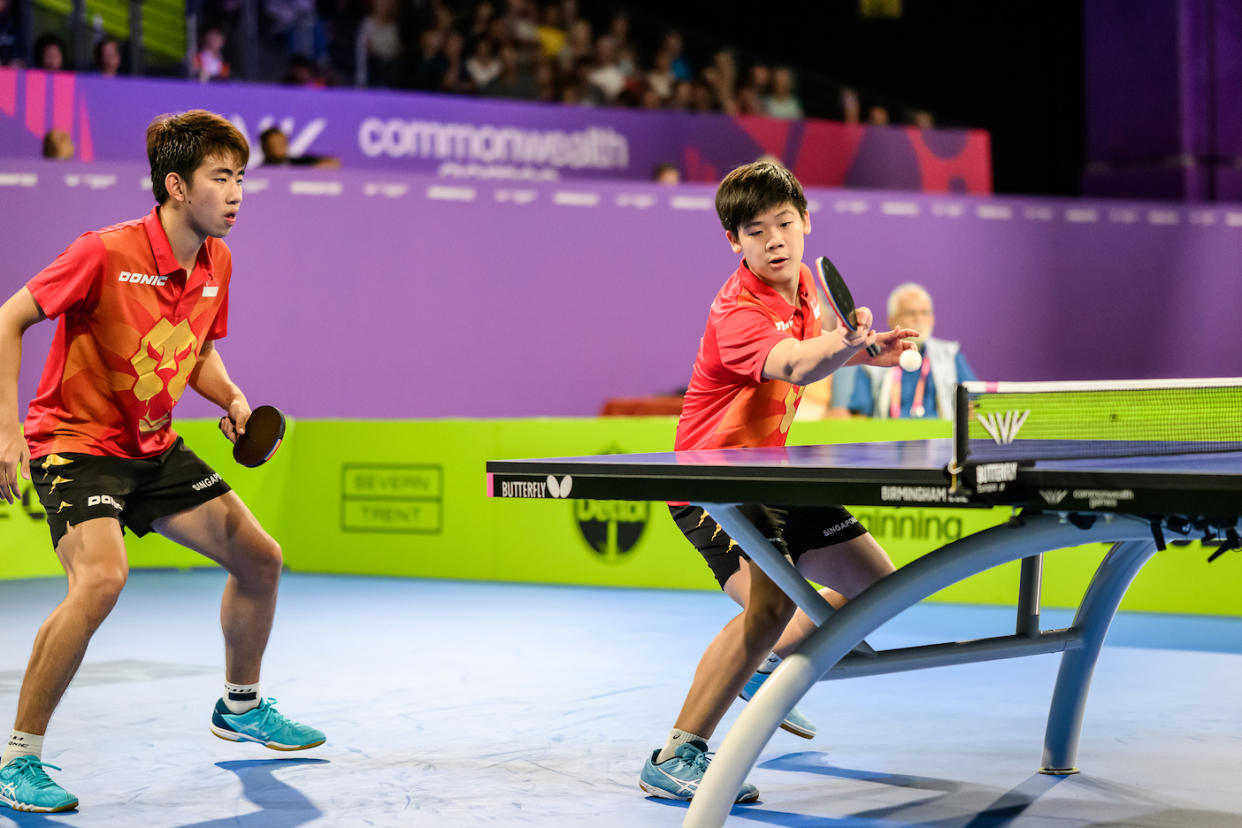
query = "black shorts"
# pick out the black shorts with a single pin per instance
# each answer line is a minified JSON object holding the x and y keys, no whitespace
{"x":793,"y":530}
{"x":77,"y":487}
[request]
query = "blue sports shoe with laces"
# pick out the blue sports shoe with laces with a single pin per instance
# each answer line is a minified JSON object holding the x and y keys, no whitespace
{"x":265,"y":725}
{"x":795,"y":722}
{"x":25,"y":786}
{"x":678,"y":776}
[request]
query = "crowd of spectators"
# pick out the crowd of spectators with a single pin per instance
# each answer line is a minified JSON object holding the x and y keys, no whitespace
{"x":534,"y":50}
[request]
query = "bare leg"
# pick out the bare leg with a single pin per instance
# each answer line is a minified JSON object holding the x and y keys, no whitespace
{"x":225,"y":531}
{"x":93,"y":555}
{"x":733,"y":656}
{"x":799,"y":627}
{"x":850,"y":567}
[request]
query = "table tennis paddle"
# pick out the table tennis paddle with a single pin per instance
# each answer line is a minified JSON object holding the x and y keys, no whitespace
{"x":833,"y":285}
{"x":264,"y":431}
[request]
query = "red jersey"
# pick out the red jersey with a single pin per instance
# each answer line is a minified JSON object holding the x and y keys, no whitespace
{"x":131,"y":326}
{"x":729,"y":404}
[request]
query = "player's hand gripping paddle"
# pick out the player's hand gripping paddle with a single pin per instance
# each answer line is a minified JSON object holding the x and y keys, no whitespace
{"x":264,"y":431}
{"x":839,"y":297}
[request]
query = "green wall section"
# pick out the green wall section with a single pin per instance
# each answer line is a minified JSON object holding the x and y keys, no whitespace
{"x":408,"y":498}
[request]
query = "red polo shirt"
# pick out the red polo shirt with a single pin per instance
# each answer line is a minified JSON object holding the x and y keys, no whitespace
{"x":131,"y":325}
{"x":729,"y":404}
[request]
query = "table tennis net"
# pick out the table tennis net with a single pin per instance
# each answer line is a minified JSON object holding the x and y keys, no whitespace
{"x":1030,"y":421}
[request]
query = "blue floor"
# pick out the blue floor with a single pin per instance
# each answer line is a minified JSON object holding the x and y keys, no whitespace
{"x":461,"y":704}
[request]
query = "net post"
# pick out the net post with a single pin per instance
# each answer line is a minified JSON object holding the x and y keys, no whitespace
{"x":961,"y":423}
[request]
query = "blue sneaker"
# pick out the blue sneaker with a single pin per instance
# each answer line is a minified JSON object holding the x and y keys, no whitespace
{"x":265,"y":725}
{"x":678,"y":776}
{"x":25,"y":786}
{"x":795,"y":722}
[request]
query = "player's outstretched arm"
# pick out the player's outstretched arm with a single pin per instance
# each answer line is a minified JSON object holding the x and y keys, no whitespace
{"x":802,"y":362}
{"x":16,"y":315}
{"x":891,"y":344}
{"x":210,"y":379}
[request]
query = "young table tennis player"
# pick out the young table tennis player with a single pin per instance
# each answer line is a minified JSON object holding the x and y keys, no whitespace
{"x":140,"y":305}
{"x":763,"y":343}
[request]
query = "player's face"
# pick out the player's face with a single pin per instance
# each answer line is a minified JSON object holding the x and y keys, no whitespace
{"x":214,"y":196}
{"x":772,"y":243}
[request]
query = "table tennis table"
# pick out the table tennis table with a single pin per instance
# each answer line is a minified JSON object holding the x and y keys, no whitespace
{"x":1180,"y":492}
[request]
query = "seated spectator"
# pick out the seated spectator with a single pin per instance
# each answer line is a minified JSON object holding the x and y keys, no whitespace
{"x":302,"y":71}
{"x":851,"y":107}
{"x":783,"y":103}
{"x":58,"y":145}
{"x":209,"y":63}
{"x":513,"y":81}
{"x":379,"y":46}
{"x":926,"y":392}
{"x":673,"y":43}
{"x":759,"y":78}
{"x":877,"y":116}
{"x":551,"y":31}
{"x":578,"y":46}
{"x":483,"y":66}
{"x":666,"y":173}
{"x":49,"y":52}
{"x":275,"y":147}
{"x":661,"y":77}
{"x":431,"y":65}
{"x":107,"y":57}
{"x":683,"y":96}
{"x":607,"y":75}
{"x":10,"y":34}
{"x":523,"y":20}
{"x":748,"y":101}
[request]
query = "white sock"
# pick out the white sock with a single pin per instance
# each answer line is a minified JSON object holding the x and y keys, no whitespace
{"x":239,"y":698}
{"x":677,"y":738}
{"x":769,"y":664}
{"x":22,"y":744}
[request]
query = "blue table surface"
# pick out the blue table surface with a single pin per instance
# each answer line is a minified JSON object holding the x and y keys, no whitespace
{"x":903,"y":455}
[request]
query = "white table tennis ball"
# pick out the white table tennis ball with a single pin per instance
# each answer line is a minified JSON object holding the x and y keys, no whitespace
{"x":911,"y":360}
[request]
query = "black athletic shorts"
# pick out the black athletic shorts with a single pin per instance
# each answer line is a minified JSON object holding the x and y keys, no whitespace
{"x":77,"y":487}
{"x":793,"y":530}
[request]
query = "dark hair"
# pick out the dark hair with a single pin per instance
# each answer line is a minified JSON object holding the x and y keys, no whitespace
{"x":50,"y":39}
{"x":180,"y":143}
{"x":269,"y":132}
{"x":99,"y":47}
{"x":752,"y":188}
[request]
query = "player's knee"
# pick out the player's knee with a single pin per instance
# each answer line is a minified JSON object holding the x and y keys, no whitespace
{"x":266,"y":560}
{"x":97,"y":589}
{"x":767,"y":618}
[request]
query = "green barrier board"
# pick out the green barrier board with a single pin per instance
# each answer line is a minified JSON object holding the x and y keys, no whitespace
{"x":408,"y":498}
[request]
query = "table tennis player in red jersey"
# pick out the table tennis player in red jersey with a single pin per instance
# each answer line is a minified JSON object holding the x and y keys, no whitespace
{"x":140,"y":305}
{"x":763,"y":343}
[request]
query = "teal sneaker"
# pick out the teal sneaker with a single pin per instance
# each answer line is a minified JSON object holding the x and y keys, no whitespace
{"x":265,"y":725}
{"x":678,"y":776}
{"x":795,"y":722}
{"x":25,"y":786}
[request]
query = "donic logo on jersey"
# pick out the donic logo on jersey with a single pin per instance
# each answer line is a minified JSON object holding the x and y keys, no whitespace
{"x":142,"y":278}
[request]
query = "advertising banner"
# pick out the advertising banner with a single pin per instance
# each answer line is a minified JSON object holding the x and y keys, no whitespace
{"x":478,"y":138}
{"x":409,"y":499}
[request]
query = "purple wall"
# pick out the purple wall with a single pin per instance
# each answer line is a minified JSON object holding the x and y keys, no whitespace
{"x":1181,"y":136}
{"x":461,"y":137}
{"x":359,"y":294}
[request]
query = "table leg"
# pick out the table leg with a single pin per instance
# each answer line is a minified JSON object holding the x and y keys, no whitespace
{"x":1095,"y":614}
{"x":847,"y":627}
